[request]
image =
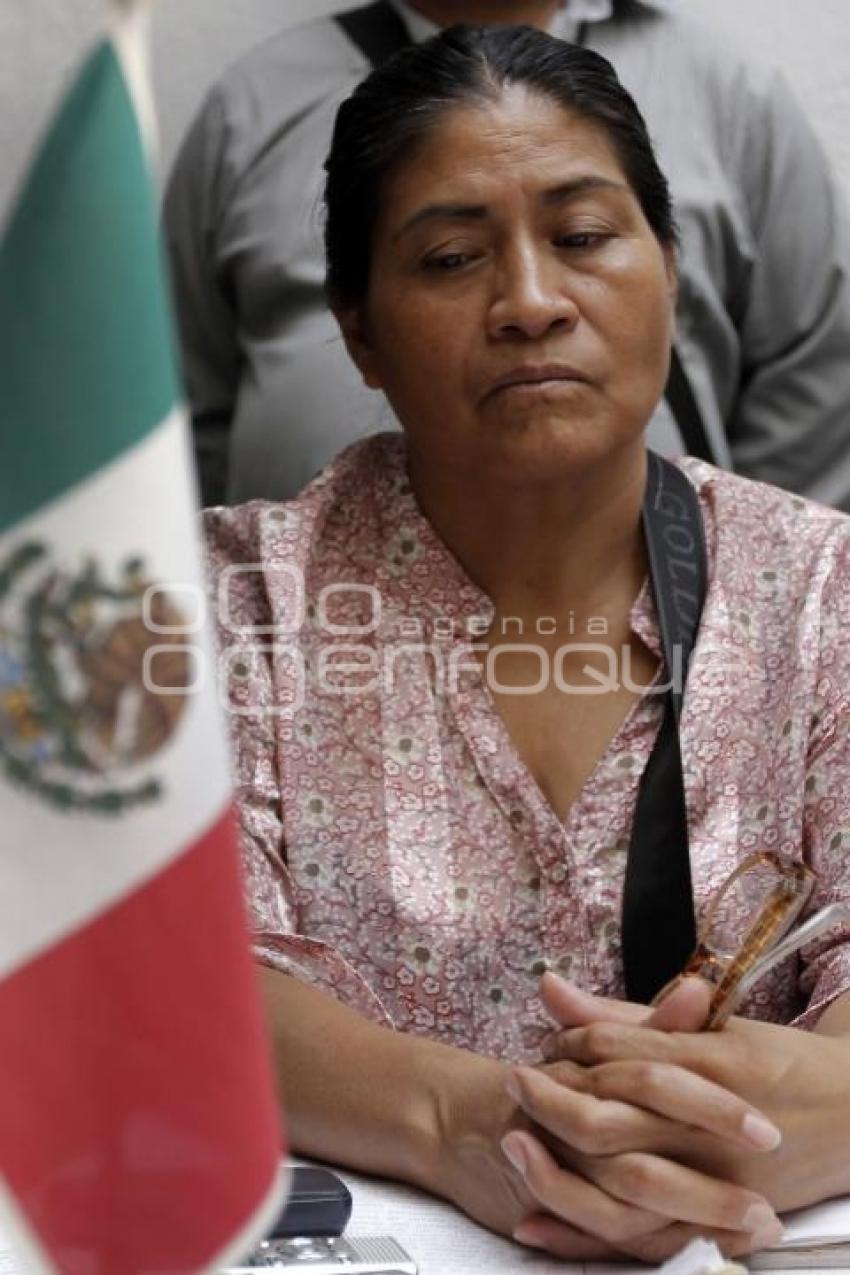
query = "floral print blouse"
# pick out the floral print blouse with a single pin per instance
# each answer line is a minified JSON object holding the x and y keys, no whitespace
{"x":397,"y":851}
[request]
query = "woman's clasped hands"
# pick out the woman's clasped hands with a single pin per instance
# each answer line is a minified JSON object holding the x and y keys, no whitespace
{"x":591,"y":1158}
{"x":642,"y":1132}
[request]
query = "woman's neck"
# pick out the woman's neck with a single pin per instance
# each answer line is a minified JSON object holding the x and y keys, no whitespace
{"x":535,"y":13}
{"x":565,"y":549}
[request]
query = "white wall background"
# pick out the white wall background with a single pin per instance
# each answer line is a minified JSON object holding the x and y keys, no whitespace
{"x":194,"y":39}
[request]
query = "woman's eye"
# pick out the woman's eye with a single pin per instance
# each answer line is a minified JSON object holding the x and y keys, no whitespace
{"x":581,"y":239}
{"x":449,"y":261}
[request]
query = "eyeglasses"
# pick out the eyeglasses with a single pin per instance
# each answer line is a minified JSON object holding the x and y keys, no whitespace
{"x":766,"y":893}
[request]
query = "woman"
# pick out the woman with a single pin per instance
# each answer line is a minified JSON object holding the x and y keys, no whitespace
{"x":438,"y":776}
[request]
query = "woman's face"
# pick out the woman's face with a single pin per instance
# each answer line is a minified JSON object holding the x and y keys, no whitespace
{"x":519,"y":314}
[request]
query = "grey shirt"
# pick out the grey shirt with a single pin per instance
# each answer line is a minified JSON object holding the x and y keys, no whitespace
{"x":764,"y":302}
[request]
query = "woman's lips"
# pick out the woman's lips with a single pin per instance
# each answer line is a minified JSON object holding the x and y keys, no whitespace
{"x":534,"y":379}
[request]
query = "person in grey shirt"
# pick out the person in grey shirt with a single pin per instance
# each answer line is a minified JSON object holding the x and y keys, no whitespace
{"x":763,"y":327}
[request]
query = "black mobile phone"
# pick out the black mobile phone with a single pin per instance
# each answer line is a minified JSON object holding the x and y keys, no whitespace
{"x":319,"y":1203}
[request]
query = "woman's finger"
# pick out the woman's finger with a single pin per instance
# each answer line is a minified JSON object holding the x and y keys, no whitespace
{"x":659,"y":1246}
{"x":605,"y":1042}
{"x":573,"y":1199}
{"x":581,"y":1120}
{"x":545,"y":1232}
{"x":683,"y":1007}
{"x":571,"y":1007}
{"x":656,"y":1185}
{"x":629,"y":1106}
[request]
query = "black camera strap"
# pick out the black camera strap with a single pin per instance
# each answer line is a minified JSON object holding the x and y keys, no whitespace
{"x":658,"y":923}
{"x":683,"y":404}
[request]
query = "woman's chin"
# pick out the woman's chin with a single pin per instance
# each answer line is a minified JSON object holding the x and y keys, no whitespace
{"x":551,"y":449}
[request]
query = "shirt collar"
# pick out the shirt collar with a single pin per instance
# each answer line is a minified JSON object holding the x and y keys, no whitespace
{"x":565,"y":23}
{"x":443,"y":597}
{"x":416,"y":572}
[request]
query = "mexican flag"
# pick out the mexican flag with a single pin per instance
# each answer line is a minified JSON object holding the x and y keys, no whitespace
{"x":138,"y":1127}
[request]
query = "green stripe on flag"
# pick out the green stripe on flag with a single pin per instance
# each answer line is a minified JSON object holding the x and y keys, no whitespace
{"x":87,"y":363}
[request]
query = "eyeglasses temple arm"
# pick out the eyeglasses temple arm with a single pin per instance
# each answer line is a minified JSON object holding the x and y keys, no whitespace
{"x":824,"y":920}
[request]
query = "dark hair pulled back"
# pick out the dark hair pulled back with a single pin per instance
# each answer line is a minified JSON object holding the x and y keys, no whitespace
{"x":397,"y":106}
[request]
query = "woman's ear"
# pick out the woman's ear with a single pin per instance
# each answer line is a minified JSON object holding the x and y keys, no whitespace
{"x":671,"y":266}
{"x":355,"y":333}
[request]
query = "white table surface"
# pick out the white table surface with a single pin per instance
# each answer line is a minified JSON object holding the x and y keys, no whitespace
{"x":444,"y":1242}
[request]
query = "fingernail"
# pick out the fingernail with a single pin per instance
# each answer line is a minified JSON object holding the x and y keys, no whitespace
{"x":770,"y":1236}
{"x":760,"y":1132}
{"x":515,"y":1152}
{"x":758,"y":1218}
{"x":528,"y":1238}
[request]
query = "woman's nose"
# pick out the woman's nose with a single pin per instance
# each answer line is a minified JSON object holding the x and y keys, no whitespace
{"x":531,"y":299}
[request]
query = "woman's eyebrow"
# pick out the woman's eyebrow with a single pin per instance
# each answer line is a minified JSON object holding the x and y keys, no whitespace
{"x":443,"y":212}
{"x":559,"y":194}
{"x":579,"y":186}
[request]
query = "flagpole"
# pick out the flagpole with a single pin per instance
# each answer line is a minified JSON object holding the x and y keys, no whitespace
{"x":128,"y":26}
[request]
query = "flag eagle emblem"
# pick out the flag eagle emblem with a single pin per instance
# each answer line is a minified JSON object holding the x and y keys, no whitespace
{"x":94,"y":675}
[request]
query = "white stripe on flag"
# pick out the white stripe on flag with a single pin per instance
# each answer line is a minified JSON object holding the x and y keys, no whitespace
{"x":73,"y":865}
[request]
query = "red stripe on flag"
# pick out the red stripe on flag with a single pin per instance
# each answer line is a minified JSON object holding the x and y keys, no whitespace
{"x":136,"y":1123}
